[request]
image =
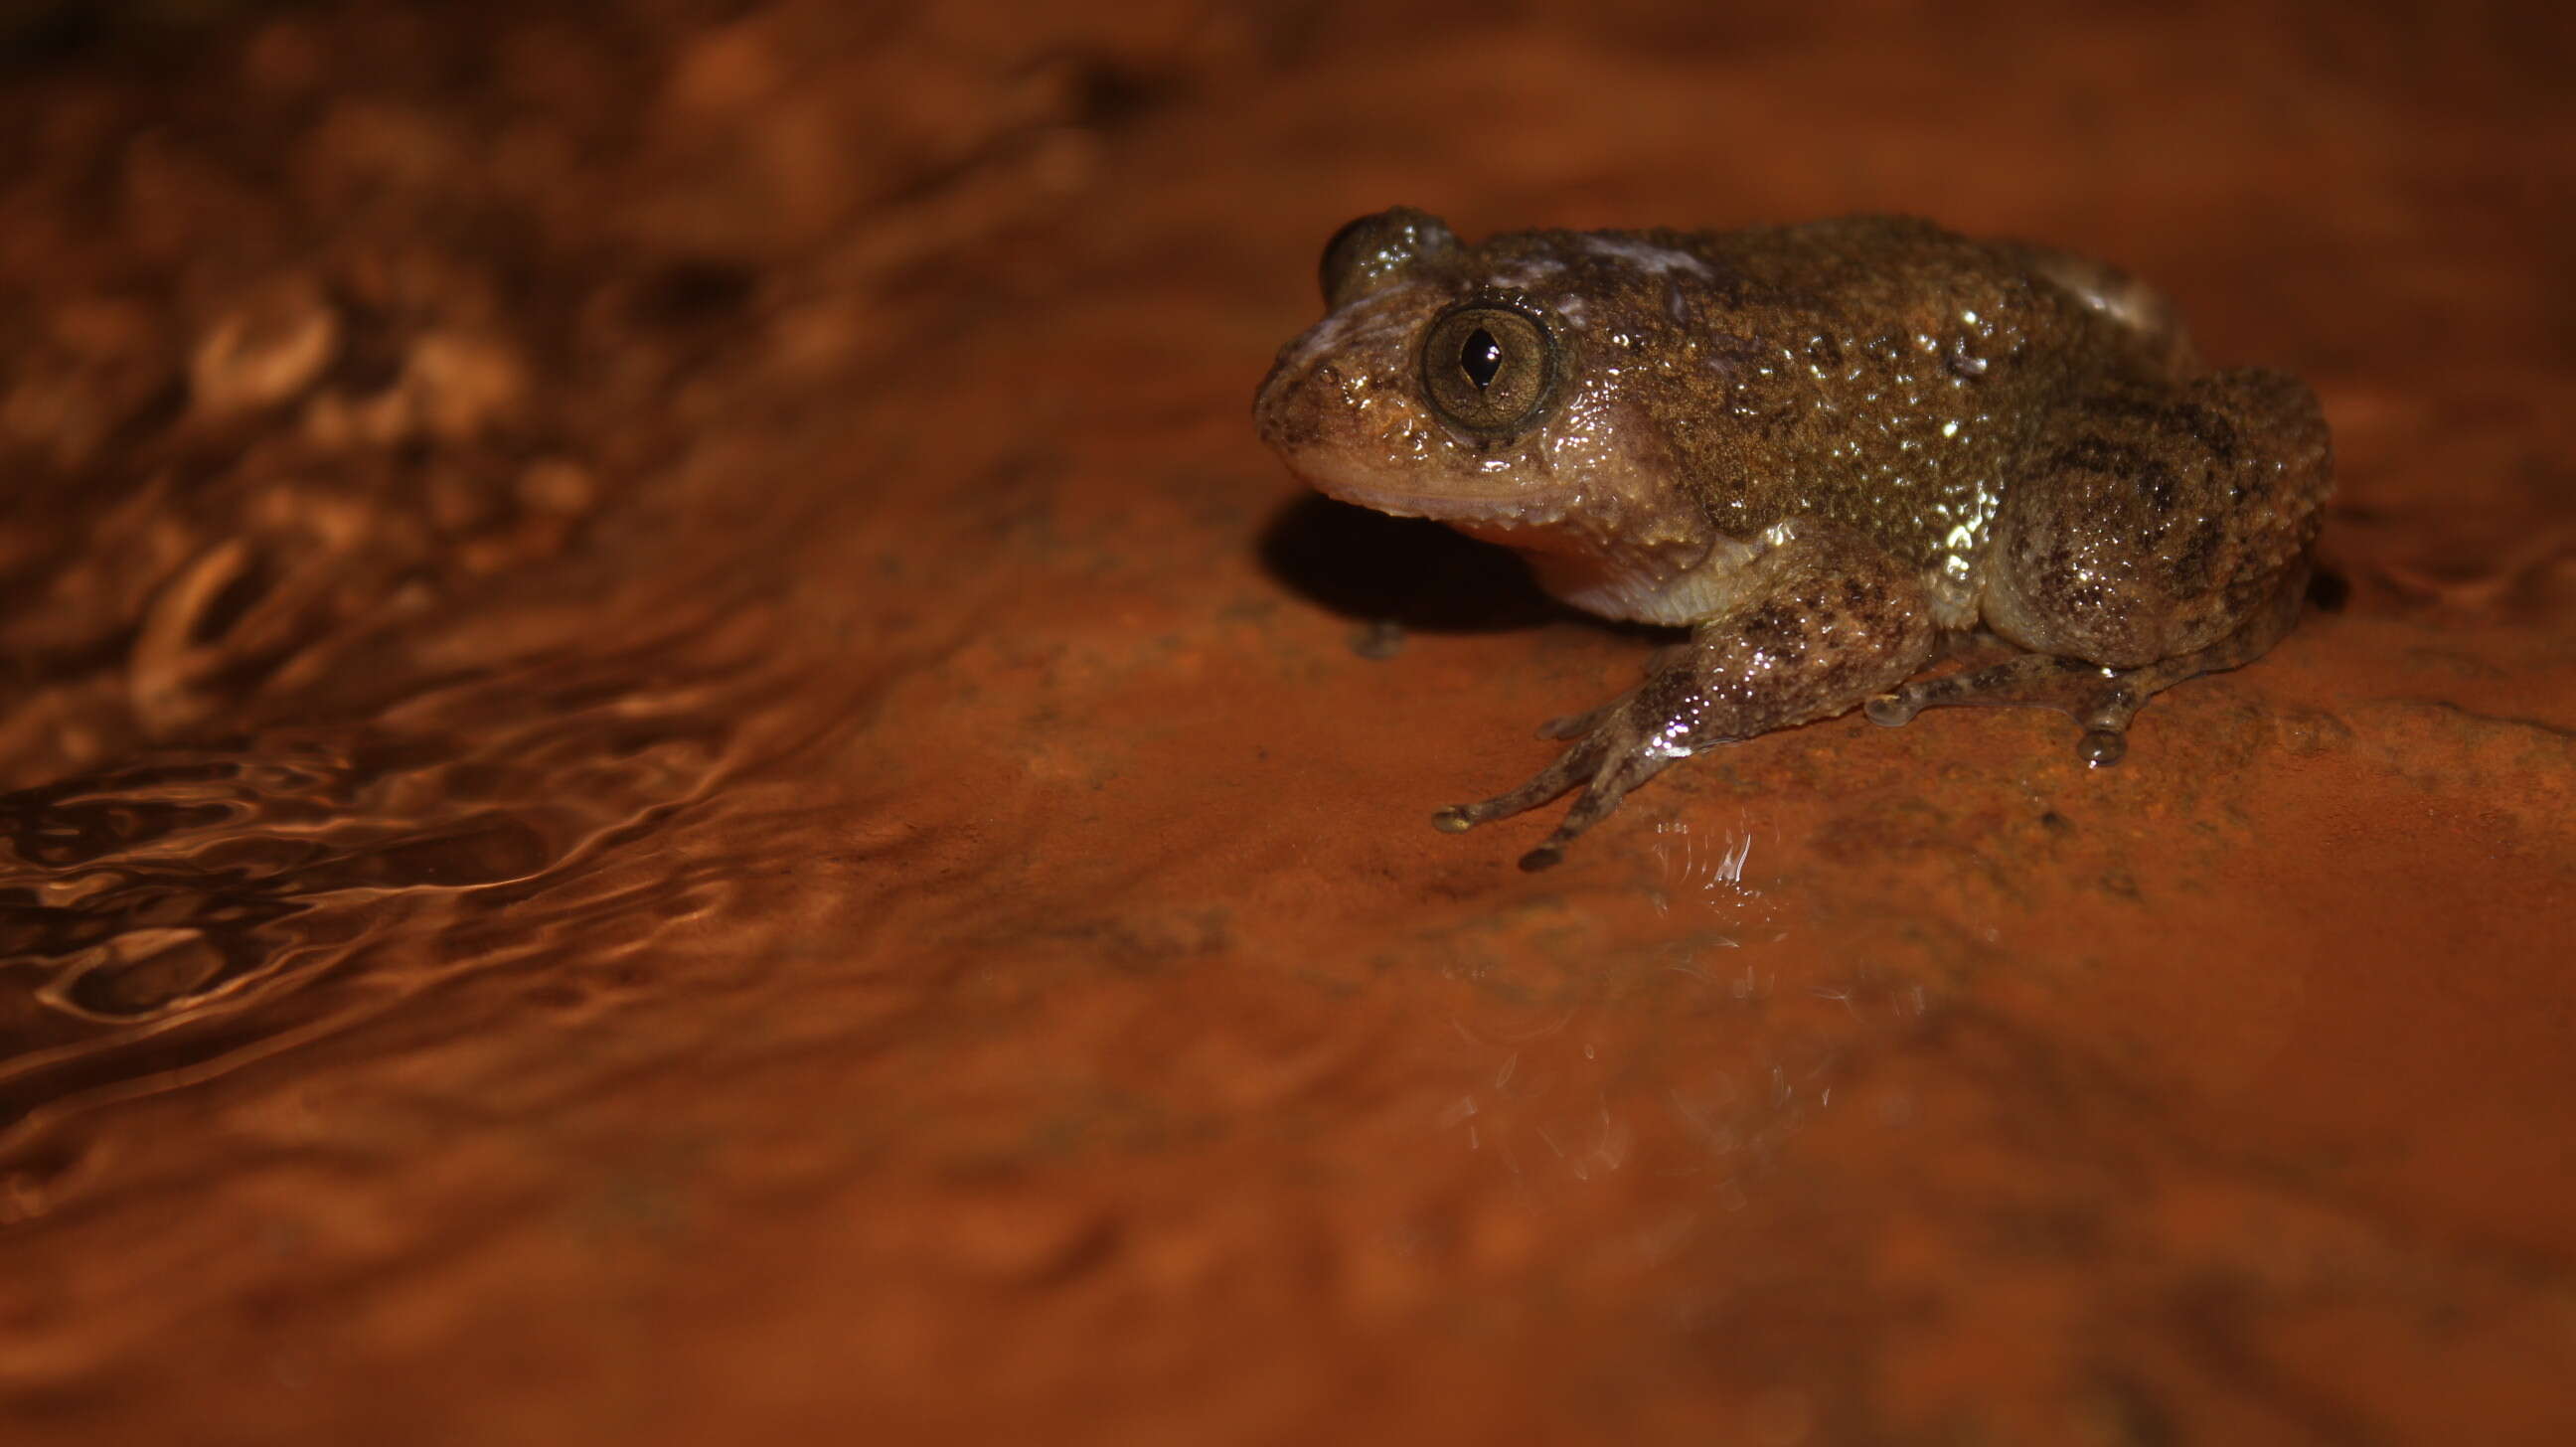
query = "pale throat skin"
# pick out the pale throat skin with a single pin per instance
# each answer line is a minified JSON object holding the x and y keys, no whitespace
{"x":1825,"y":448}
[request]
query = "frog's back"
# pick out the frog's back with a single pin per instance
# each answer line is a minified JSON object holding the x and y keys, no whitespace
{"x":1873,"y":271}
{"x":1880,"y":372}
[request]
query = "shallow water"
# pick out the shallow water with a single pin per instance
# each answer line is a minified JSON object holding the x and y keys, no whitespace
{"x":679,"y":774}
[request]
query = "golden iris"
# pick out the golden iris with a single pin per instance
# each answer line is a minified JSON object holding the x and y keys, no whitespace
{"x":1489,"y":367}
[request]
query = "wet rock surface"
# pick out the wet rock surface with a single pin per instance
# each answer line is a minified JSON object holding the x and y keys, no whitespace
{"x":679,"y":774}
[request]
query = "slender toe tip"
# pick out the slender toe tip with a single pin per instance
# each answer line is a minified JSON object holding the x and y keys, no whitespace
{"x":1887,"y":710}
{"x":1452,"y":820}
{"x":1546,"y":856}
{"x":2102,"y":748}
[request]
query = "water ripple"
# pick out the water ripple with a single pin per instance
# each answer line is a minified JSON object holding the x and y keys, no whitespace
{"x":164,"y":922}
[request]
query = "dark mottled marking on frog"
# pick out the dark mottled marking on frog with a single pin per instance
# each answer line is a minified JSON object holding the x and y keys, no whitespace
{"x":1774,"y":623}
{"x":1730,"y":355}
{"x":2192,"y":567}
{"x":2099,"y":454}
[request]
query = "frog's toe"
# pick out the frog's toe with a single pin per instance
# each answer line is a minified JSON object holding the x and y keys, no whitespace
{"x":1613,"y":755}
{"x":2102,"y":748}
{"x":1569,"y":771}
{"x":1892,"y":709}
{"x":1624,"y":771}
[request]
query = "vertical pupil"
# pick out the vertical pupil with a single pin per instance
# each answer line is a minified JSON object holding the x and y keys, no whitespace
{"x":1481,"y":358}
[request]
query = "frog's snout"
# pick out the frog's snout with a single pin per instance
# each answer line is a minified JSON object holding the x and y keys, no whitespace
{"x":1287,"y":410}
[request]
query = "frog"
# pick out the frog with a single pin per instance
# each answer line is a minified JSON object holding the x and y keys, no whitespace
{"x":1845,"y":455}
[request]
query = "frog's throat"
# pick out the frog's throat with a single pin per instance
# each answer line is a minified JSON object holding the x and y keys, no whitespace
{"x":1515,"y":514}
{"x":1602,"y":553}
{"x":1669,"y":575}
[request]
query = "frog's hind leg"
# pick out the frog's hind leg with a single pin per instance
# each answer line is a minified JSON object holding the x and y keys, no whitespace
{"x":2160,"y":532}
{"x":2102,"y":700}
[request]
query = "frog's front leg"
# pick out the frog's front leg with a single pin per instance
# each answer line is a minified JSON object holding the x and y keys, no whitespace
{"x":1820,"y":619}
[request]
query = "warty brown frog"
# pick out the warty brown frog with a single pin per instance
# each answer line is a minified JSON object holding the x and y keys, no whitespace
{"x":1826,"y":449}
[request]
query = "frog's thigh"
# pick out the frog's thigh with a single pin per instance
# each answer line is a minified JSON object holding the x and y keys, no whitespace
{"x":2155,"y":524}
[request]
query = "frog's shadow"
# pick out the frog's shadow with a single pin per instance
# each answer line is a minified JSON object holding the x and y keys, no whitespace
{"x":1410,"y":572}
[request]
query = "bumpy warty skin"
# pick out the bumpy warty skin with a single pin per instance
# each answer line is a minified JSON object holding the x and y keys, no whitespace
{"x":2003,"y":436}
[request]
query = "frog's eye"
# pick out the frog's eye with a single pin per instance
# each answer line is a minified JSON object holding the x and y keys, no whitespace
{"x":1489,"y":367}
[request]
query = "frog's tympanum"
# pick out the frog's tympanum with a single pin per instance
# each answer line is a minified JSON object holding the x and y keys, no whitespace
{"x":1828,"y":450}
